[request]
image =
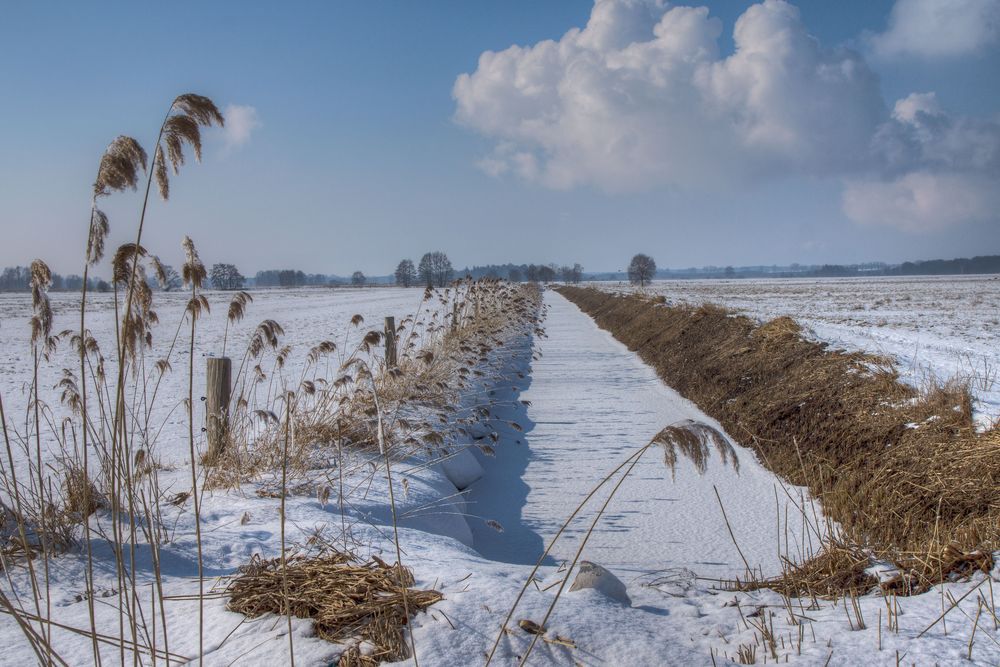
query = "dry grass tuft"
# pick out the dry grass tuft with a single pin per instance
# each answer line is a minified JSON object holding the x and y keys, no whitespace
{"x":80,"y":495}
{"x":839,"y":568}
{"x":348,"y":600}
{"x":778,"y":330}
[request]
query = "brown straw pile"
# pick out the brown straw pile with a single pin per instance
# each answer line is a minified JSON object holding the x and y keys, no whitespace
{"x":349,"y":601}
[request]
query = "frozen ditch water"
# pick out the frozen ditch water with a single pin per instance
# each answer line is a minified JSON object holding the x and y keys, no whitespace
{"x":592,"y":403}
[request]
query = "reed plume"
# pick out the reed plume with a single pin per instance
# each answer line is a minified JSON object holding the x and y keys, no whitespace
{"x":120,"y":165}
{"x":41,"y":320}
{"x":265,"y":336}
{"x":692,"y":439}
{"x":159,"y":271}
{"x":119,"y":170}
{"x":237,"y":309}
{"x":193,"y":271}
{"x":183,"y":123}
{"x":128,"y":270}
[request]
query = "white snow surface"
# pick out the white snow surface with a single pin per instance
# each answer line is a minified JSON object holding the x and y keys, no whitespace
{"x":939,"y":327}
{"x":308,"y":316}
{"x":592,"y":402}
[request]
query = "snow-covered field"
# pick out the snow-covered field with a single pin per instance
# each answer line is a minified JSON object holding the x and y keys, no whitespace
{"x":583,"y":403}
{"x":935,"y":327}
{"x":308,"y":317}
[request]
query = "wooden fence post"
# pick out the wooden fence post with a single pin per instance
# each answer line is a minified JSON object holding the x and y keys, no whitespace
{"x":390,"y":342}
{"x":217,"y":394}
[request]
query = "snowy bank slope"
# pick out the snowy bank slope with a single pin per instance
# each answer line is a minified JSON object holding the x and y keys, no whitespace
{"x":940,"y":327}
{"x":308,"y":315}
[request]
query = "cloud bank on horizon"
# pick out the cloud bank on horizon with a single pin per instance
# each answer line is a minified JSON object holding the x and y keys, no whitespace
{"x":641,"y":98}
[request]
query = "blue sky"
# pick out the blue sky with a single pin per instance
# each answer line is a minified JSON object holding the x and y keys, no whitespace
{"x":353,"y":147}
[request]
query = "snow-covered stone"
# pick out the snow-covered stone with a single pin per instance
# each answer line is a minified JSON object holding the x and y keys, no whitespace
{"x":592,"y":575}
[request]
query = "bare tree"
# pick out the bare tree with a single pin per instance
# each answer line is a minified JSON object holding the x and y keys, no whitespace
{"x":406,"y":273}
{"x":435,"y":269}
{"x":226,"y":277}
{"x":641,"y":270}
{"x":358,"y":279}
{"x":571,"y":274}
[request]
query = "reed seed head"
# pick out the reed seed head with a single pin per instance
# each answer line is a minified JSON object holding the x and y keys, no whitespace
{"x":692,"y":439}
{"x":193,"y":272}
{"x":120,"y":166}
{"x":99,"y":229}
{"x":237,"y":307}
{"x":266,"y":335}
{"x":188,"y":114}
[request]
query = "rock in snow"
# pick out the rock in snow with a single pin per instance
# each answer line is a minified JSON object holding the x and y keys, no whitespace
{"x":592,"y":575}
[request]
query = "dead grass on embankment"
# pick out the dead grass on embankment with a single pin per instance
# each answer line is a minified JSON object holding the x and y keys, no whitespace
{"x":902,"y":471}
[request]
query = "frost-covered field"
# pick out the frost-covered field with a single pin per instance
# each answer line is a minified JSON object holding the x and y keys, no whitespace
{"x":582,"y":403}
{"x":935,"y":327}
{"x":308,"y":316}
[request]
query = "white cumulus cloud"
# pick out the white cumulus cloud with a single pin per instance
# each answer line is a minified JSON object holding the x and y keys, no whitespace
{"x":241,"y":121}
{"x":936,"y":28}
{"x":938,"y":170}
{"x":641,"y":97}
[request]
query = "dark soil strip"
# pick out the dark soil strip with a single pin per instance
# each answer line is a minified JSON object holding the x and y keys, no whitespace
{"x":840,"y":423}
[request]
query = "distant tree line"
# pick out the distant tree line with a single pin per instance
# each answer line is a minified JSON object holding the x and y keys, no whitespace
{"x":942,"y":267}
{"x":18,"y":279}
{"x":934,"y":267}
{"x":289,"y":278}
{"x":436,"y":269}
{"x":535,"y":273}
